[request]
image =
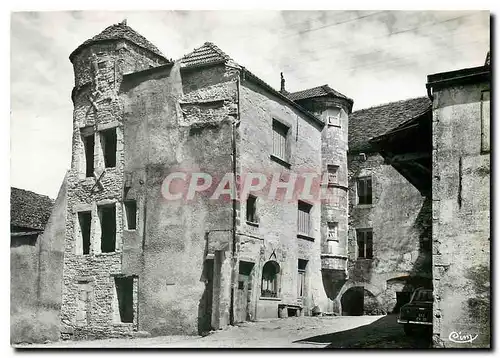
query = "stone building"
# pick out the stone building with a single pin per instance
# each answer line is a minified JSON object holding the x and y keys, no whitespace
{"x":389,"y":235}
{"x":35,"y":266}
{"x":461,"y":205}
{"x":136,"y":258}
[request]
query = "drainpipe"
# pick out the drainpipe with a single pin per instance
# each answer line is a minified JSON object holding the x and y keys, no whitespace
{"x":234,"y":201}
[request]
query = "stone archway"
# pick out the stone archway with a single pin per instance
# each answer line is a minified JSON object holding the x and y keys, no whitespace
{"x":358,"y":300}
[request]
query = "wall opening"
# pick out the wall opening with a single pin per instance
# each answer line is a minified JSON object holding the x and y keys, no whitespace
{"x":85,"y":220}
{"x":304,"y":218}
{"x":252,"y":209}
{"x":107,"y":216}
{"x":270,"y":272}
{"x":88,"y":144}
{"x":131,"y":214}
{"x":108,"y":144}
{"x":125,"y":294}
{"x":301,"y":282}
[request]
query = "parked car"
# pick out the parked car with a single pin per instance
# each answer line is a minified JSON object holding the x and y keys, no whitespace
{"x":417,"y":312}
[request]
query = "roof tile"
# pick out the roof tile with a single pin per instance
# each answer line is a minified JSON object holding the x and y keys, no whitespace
{"x":29,"y":209}
{"x":319,"y":91}
{"x":121,"y":31}
{"x":208,"y":53}
{"x":375,"y":121}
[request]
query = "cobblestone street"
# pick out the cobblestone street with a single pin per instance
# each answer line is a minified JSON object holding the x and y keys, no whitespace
{"x":295,"y":332}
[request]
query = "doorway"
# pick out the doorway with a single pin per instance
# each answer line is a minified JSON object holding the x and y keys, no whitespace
{"x":243,"y":293}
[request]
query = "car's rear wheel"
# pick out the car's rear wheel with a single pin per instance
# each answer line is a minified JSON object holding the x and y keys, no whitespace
{"x":409,"y":329}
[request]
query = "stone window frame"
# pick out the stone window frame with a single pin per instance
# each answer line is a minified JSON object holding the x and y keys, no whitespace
{"x":360,"y":179}
{"x":333,"y":174}
{"x":115,"y":313}
{"x":77,"y":235}
{"x":302,"y":279}
{"x":334,"y":120}
{"x":274,"y":292}
{"x":302,"y":207}
{"x":97,"y":238}
{"x":125,"y":214}
{"x":84,"y":132}
{"x":254,"y":218}
{"x":281,"y":158}
{"x":363,"y":232}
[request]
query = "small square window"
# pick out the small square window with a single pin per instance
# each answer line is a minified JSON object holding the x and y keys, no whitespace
{"x":333,"y":117}
{"x":333,"y":231}
{"x":333,"y":174}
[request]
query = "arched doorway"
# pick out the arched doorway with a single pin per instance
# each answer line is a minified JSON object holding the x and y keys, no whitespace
{"x":358,"y":301}
{"x":353,"y":301}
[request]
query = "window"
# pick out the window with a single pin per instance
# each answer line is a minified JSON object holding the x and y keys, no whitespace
{"x":301,"y":283}
{"x":131,"y":214}
{"x":365,"y":243}
{"x":333,"y":116}
{"x":125,"y":296}
{"x":332,"y":231}
{"x":252,"y":209}
{"x":332,"y":174}
{"x":280,"y":132}
{"x":485,"y":121}
{"x":88,"y":144}
{"x":85,"y":220}
{"x":270,"y":273}
{"x":304,"y":218}
{"x":107,"y":216}
{"x":365,"y":190}
{"x":108,"y":143}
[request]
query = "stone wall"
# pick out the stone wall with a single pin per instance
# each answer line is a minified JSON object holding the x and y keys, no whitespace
{"x":172,"y":126}
{"x":461,"y":217}
{"x":399,"y":217}
{"x":99,"y":68}
{"x":275,"y":238}
{"x":36,"y":279}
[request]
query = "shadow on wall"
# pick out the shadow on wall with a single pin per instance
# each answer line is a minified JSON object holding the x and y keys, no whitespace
{"x":479,"y":306}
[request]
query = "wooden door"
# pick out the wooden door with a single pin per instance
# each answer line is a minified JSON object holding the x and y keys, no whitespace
{"x":242,"y":298}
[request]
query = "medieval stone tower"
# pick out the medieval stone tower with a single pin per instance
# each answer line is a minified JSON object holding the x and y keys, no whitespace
{"x":97,"y":195}
{"x":334,"y":109}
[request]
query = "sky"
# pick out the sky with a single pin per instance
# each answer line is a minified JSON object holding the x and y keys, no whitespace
{"x":372,"y":56}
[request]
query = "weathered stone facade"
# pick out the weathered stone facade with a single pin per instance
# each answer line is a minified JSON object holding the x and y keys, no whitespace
{"x":196,"y":264}
{"x":401,"y":239}
{"x":461,"y":207}
{"x":397,"y":216}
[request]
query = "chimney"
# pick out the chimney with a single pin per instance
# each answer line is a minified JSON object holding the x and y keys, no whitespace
{"x":282,"y":90}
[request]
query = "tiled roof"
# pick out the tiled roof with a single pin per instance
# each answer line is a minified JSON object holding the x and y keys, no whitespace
{"x":319,"y":91}
{"x":208,"y":53}
{"x":29,"y":209}
{"x":375,"y":121}
{"x":121,"y":31}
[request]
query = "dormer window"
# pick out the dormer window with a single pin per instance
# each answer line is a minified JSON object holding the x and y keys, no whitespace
{"x":333,"y":116}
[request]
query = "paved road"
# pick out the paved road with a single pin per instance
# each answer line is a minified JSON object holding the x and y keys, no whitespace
{"x":293,"y":332}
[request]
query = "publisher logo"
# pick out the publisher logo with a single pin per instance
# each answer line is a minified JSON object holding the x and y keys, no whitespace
{"x":459,"y":337}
